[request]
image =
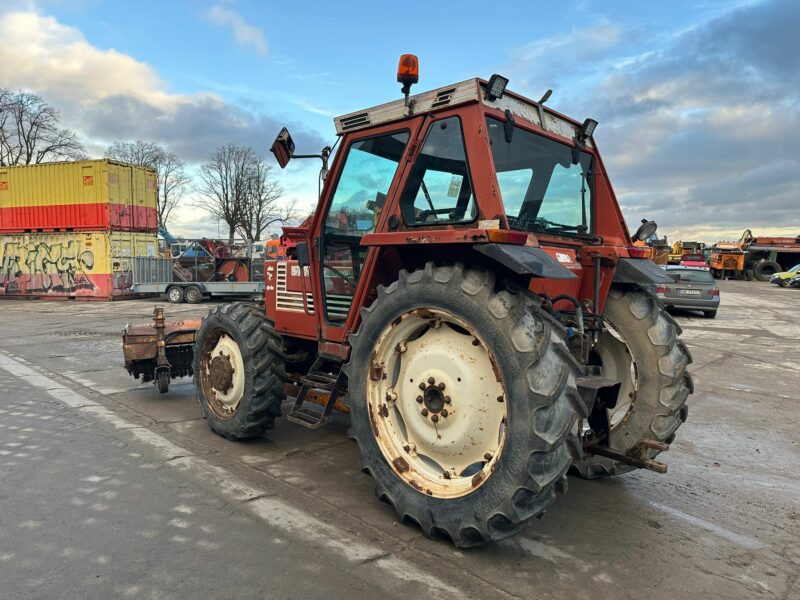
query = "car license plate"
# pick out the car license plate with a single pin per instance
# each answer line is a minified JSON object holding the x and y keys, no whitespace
{"x":691,"y":292}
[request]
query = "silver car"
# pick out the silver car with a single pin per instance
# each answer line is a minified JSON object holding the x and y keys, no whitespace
{"x":693,"y":289}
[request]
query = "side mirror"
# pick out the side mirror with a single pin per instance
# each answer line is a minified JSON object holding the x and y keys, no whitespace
{"x":283,"y":148}
{"x":646,"y":230}
{"x":301,"y":251}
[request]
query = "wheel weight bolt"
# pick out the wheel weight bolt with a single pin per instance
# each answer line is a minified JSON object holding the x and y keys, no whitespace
{"x":435,"y":418}
{"x":424,"y":412}
{"x":419,"y":399}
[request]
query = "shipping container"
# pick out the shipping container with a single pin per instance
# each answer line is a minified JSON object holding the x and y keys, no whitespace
{"x":77,"y":196}
{"x":87,"y":265}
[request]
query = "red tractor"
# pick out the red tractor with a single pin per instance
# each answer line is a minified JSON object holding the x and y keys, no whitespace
{"x":469,"y":292}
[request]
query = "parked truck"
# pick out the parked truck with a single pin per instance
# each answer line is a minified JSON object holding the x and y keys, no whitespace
{"x":752,"y":257}
{"x":484,"y":333}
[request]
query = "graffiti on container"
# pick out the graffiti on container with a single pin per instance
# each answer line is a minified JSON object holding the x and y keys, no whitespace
{"x":45,"y":267}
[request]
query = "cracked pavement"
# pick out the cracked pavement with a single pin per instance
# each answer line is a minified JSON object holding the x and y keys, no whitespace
{"x":122,"y":492}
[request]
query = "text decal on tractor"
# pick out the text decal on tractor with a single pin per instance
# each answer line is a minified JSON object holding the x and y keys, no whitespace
{"x":467,"y":291}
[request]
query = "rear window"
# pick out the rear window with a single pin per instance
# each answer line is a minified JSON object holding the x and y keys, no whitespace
{"x":693,"y":257}
{"x":691,"y":276}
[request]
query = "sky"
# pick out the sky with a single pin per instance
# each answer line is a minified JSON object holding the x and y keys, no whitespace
{"x":697,"y":101}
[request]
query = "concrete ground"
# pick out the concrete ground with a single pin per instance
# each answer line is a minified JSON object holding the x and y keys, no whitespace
{"x":112,"y":490}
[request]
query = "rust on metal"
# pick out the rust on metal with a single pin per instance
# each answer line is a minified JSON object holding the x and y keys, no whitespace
{"x":383,"y":411}
{"x":221,"y":373}
{"x":478,"y":478}
{"x":400,"y":464}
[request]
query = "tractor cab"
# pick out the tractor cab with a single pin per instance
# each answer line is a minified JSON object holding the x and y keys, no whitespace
{"x":468,"y":171}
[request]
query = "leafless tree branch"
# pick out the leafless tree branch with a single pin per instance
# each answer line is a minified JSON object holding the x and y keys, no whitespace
{"x":29,"y":131}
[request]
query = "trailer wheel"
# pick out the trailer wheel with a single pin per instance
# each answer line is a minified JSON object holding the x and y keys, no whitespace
{"x":193,"y":295}
{"x":766,"y":269}
{"x":641,"y":349}
{"x":239,"y":371}
{"x":461,"y":399}
{"x":175,"y":294}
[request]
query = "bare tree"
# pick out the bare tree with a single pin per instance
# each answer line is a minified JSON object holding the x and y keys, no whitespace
{"x":170,"y":170}
{"x":263,"y":206}
{"x":29,"y":131}
{"x":224,"y":181}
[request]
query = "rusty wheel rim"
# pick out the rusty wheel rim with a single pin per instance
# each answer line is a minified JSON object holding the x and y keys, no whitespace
{"x":437,"y":405}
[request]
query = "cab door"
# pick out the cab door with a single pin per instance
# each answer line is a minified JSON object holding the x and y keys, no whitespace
{"x":365,"y":183}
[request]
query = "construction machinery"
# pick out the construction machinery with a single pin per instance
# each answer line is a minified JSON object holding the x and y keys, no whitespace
{"x":752,"y":257}
{"x":468,"y":291}
{"x":680,"y":248}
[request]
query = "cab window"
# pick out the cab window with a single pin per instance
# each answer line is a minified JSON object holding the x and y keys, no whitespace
{"x":439,"y":189}
{"x":361,"y":192}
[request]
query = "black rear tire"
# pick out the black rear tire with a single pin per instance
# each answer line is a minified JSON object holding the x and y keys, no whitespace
{"x":664,"y":384}
{"x":264,"y":371}
{"x":538,"y":373}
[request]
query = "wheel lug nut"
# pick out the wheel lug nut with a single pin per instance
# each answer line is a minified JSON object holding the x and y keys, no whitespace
{"x":422,"y":386}
{"x":391,"y":396}
{"x":447,"y":400}
{"x":431,"y":380}
{"x":424,"y":412}
{"x":441,"y":385}
{"x":435,"y":418}
{"x":419,"y":399}
{"x":444,"y":412}
{"x":487,"y":456}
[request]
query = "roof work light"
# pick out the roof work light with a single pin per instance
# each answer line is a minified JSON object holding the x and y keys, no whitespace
{"x":496,"y":87}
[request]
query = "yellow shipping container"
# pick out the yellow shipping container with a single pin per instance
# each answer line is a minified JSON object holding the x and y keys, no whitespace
{"x":81,"y":195}
{"x":87,"y":265}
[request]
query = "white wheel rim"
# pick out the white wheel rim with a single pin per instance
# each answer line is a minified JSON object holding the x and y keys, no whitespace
{"x":444,"y":440}
{"x":225,"y":398}
{"x":174,"y":294}
{"x":618,"y":364}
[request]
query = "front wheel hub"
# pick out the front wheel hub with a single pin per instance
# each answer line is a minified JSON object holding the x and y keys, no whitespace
{"x":222,"y":376}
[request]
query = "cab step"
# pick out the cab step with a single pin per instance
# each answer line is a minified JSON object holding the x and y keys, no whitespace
{"x":324,"y":377}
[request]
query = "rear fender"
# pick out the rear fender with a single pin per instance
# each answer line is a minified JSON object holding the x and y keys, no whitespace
{"x":525,"y":260}
{"x":639,"y":272}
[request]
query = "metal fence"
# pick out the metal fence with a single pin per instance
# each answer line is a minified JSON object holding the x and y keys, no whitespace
{"x":152,"y":270}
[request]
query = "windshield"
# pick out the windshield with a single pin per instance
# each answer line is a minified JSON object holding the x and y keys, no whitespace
{"x":542,"y":189}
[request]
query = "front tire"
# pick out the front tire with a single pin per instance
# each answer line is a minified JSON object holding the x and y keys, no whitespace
{"x":449,"y":329}
{"x":239,"y":371}
{"x":641,"y":349}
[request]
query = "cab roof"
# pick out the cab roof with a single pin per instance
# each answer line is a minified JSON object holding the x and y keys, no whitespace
{"x":465,"y":92}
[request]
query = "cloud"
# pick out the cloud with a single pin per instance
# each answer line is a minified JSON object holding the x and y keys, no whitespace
{"x":244,"y":33}
{"x":107,"y":95}
{"x":700,"y":133}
